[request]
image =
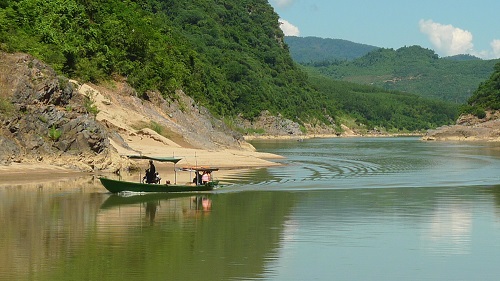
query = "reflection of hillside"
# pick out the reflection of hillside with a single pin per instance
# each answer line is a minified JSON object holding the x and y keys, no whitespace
{"x":40,"y":226}
{"x":186,"y":241}
{"x":443,"y":216}
{"x":494,"y":191}
{"x":89,"y":183}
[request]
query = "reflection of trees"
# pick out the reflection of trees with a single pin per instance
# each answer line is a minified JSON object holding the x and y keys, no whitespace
{"x":495,"y":193}
{"x":185,"y":242}
{"x":62,"y":235}
{"x":443,"y":216}
{"x":40,"y":225}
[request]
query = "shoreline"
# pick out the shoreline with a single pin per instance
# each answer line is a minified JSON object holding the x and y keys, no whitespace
{"x":327,"y":136}
{"x":26,"y":173}
{"x":226,"y":160}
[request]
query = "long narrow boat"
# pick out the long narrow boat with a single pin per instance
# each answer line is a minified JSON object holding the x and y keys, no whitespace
{"x":116,"y":186}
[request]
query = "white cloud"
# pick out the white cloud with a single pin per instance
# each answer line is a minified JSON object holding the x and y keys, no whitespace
{"x":288,"y":28}
{"x":495,"y":45}
{"x":283,"y":3}
{"x":447,"y":39}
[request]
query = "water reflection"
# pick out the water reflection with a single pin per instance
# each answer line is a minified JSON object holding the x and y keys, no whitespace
{"x":268,"y":235}
{"x":334,"y":211}
{"x":42,"y":226}
{"x":380,"y":162}
{"x":164,"y":205}
{"x":391,"y":234}
{"x":449,"y":229}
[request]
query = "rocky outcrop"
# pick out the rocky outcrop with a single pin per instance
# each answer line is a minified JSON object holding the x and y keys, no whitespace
{"x":270,"y":125}
{"x":48,"y":121}
{"x":469,"y":128}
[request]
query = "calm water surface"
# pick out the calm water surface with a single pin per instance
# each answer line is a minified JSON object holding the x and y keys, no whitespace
{"x":339,"y":209}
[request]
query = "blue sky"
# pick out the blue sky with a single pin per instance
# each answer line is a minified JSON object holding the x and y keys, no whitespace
{"x":449,"y":27}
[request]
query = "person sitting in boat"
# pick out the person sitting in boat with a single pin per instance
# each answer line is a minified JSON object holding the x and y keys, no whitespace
{"x":205,"y":178}
{"x":151,"y":175}
{"x":197,"y":178}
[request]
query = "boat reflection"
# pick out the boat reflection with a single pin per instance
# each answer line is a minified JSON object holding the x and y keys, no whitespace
{"x":157,"y":206}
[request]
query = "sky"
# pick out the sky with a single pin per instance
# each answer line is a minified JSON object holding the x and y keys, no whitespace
{"x":449,"y":27}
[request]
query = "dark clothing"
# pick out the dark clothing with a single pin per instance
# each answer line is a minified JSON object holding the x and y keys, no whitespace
{"x":151,"y":173}
{"x":197,"y":179}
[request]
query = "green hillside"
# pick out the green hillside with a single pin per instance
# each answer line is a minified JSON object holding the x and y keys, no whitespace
{"x":413,"y":70}
{"x":318,"y":50}
{"x":486,"y":97}
{"x":376,"y":108}
{"x":230,"y":56}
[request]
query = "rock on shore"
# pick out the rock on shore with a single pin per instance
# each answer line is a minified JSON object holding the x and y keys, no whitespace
{"x":469,"y":128}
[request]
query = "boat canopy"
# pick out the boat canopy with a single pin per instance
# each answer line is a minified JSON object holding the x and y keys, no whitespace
{"x":159,"y":159}
{"x":199,"y":168}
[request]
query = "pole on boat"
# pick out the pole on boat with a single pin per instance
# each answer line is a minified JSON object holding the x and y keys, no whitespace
{"x":175,"y":170}
{"x":175,"y":175}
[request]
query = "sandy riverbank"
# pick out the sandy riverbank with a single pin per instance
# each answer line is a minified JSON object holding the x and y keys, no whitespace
{"x":226,"y":160}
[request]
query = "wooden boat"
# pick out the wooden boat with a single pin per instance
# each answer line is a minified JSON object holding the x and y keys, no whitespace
{"x":116,"y":186}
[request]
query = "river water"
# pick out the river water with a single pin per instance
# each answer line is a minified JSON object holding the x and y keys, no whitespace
{"x":338,"y":209}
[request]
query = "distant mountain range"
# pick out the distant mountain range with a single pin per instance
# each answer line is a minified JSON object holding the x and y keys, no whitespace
{"x":409,"y":69}
{"x":315,"y":49}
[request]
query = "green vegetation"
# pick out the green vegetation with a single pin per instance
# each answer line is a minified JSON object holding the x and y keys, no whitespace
{"x":6,"y":107}
{"x":413,"y":70}
{"x":316,"y":50}
{"x":89,"y":103}
{"x":156,"y":127}
{"x":230,"y":56}
{"x":486,"y":97}
{"x":54,"y":134}
{"x":371,"y":107}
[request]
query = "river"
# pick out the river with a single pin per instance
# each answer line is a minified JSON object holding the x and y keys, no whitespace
{"x":337,"y":209}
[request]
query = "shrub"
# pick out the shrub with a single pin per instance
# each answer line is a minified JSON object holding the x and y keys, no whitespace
{"x":89,"y":103}
{"x":156,"y":127}
{"x":54,"y":134}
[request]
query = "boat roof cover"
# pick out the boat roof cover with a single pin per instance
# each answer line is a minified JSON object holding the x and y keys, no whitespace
{"x":159,"y":159}
{"x":199,"y":168}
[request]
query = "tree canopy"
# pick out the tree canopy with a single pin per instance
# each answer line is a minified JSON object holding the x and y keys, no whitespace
{"x":486,"y":97}
{"x":413,"y":70}
{"x":230,"y":56}
{"x":316,"y":50}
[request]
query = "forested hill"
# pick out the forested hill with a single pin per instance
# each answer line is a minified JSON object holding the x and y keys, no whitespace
{"x":486,"y":97}
{"x":228,"y":55}
{"x":315,"y":49}
{"x":413,"y":70}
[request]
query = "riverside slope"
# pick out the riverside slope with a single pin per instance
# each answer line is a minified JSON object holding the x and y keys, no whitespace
{"x":46,"y":122}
